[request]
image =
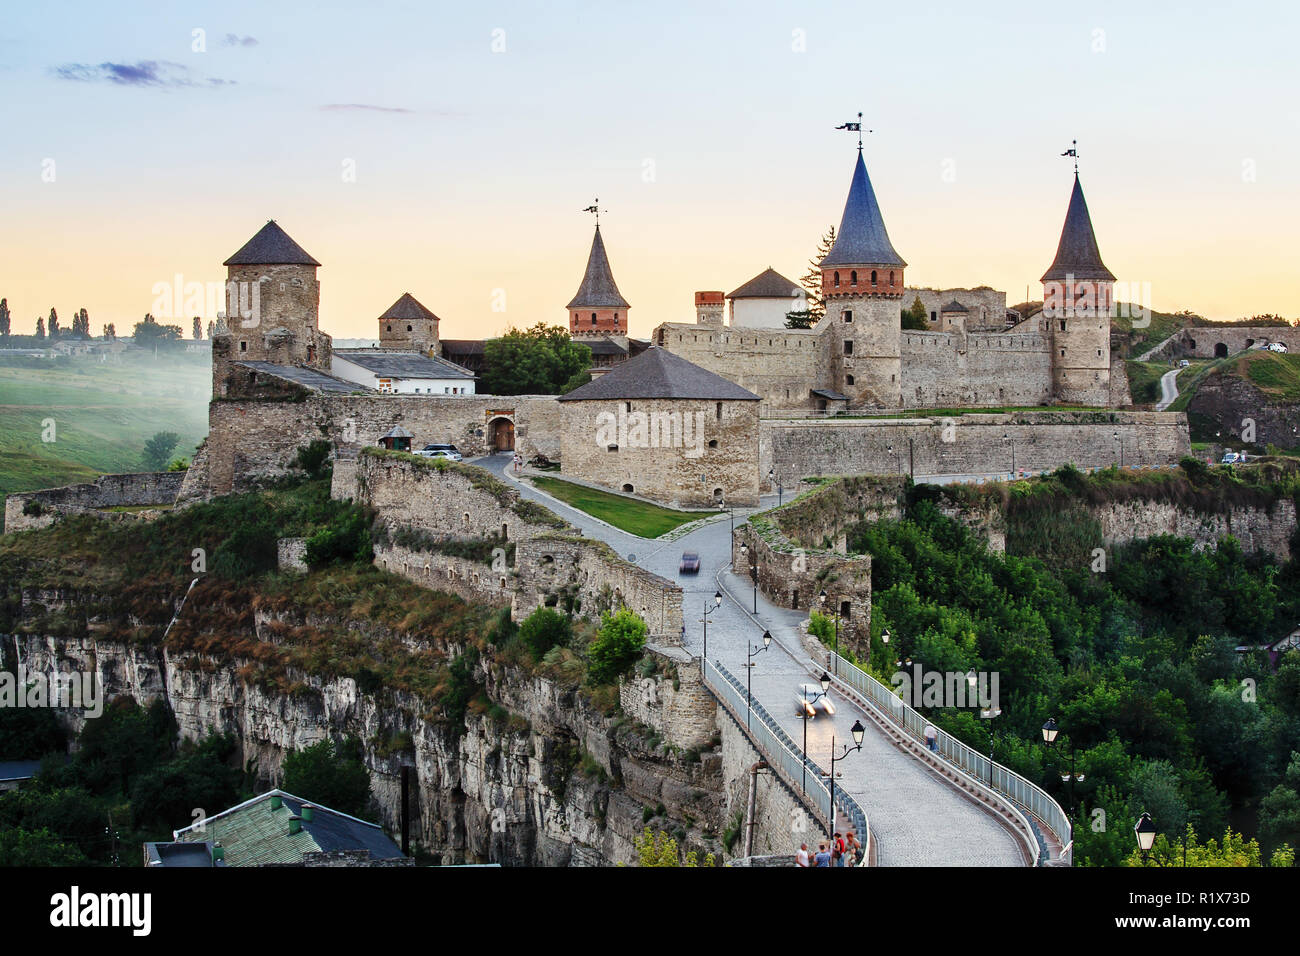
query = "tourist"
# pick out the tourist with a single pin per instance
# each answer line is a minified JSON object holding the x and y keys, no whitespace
{"x":932,"y":737}
{"x":801,"y":858}
{"x":851,"y":856}
{"x":823,"y":857}
{"x":837,"y":850}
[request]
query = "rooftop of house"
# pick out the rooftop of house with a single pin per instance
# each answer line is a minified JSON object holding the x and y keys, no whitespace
{"x":271,"y":246}
{"x":768,"y":284}
{"x":403,"y":364}
{"x":658,"y":373}
{"x":408,"y":307}
{"x":257,"y":831}
{"x":11,"y":770}
{"x":307,"y":377}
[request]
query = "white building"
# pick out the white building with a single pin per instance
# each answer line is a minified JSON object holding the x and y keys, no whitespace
{"x":402,"y":373}
{"x":764,"y":301}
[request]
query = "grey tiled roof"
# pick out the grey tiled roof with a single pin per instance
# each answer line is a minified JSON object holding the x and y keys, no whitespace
{"x":862,"y":239}
{"x":404,"y":364}
{"x":1077,"y":254}
{"x":830,"y":394}
{"x":306,"y":377}
{"x":408,"y":307}
{"x":462,"y":346}
{"x":598,"y":290}
{"x":955,"y":306}
{"x":602,"y":346}
{"x":768,"y":284}
{"x":658,"y":373}
{"x":271,"y":246}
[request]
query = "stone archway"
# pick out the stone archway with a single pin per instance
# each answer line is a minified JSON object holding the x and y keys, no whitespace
{"x":1221,"y":350}
{"x":501,"y":435}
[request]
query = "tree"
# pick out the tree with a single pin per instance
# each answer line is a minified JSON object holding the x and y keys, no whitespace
{"x":148,"y":333}
{"x":659,"y":849}
{"x":81,"y":324}
{"x":812,"y":279}
{"x":158,"y":449}
{"x":914,"y":317}
{"x":4,"y":318}
{"x":541,"y":360}
{"x":543,"y":629}
{"x":40,"y":328}
{"x":54,"y":324}
{"x":332,"y":776}
{"x":801,"y":319}
{"x":616,"y":647}
{"x":198,"y":329}
{"x":110,"y":331}
{"x":38,"y":848}
{"x":1235,"y":850}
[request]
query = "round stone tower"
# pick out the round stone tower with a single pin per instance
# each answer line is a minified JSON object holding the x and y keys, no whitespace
{"x":407,"y":326}
{"x":599,"y":309}
{"x":862,"y":283}
{"x":272,"y":308}
{"x":1078,"y":293}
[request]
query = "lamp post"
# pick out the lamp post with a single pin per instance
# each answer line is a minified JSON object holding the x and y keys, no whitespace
{"x":753,"y":572}
{"x":857,"y":730}
{"x":835,"y":666}
{"x":1120,"y":442}
{"x":1050,"y":732}
{"x":754,"y":651}
{"x":717,"y":603}
{"x":1006,"y":437}
{"x":805,"y":714}
{"x":780,"y":489}
{"x":1145,"y":832}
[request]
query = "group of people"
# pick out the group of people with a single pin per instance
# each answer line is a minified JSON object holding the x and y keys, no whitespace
{"x":842,"y":850}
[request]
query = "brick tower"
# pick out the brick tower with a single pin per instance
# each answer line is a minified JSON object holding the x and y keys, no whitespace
{"x":599,"y":309}
{"x":1078,"y":291}
{"x":407,"y":326}
{"x":272,"y":308}
{"x":862,"y":282}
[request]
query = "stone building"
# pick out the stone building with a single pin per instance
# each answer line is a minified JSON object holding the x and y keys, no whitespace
{"x":660,"y":427}
{"x":764,"y":301}
{"x":272,"y":309}
{"x":599,"y":309}
{"x":407,"y":326}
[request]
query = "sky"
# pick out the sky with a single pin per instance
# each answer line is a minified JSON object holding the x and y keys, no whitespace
{"x":448,"y":150}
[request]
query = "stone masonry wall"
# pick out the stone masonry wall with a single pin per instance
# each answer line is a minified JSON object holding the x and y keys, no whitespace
{"x":680,"y":709}
{"x":107,"y":491}
{"x":952,"y":369}
{"x":971,"y":444}
{"x":1254,"y":528}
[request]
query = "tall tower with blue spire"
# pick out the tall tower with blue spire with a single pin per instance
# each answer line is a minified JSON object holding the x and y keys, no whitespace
{"x":1078,"y":293}
{"x":862,"y":284}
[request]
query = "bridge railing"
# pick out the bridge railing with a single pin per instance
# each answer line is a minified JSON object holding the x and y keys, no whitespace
{"x":783,"y":755}
{"x":1024,"y":794}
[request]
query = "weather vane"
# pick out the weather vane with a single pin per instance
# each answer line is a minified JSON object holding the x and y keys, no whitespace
{"x":595,"y":208}
{"x":1073,"y":151}
{"x":855,"y":128}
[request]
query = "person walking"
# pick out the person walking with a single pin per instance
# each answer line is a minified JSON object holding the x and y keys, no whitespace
{"x":823,"y":857}
{"x":837,"y":851}
{"x":932,"y":737}
{"x":853,"y":846}
{"x":801,"y":858}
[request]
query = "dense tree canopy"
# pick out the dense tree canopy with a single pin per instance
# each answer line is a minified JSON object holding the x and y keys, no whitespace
{"x":541,"y":360}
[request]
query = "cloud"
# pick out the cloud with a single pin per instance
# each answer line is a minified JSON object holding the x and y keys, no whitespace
{"x":338,"y":107}
{"x":233,"y":39}
{"x":156,"y":73}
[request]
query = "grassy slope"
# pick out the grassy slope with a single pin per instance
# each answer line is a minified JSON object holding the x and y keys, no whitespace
{"x":635,"y":517}
{"x":103,"y":414}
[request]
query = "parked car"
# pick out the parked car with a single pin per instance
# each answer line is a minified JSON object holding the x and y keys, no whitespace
{"x":1184,"y":363}
{"x":1277,"y":347}
{"x":440,"y":451}
{"x":809,"y":698}
{"x":690,"y":563}
{"x":1231,"y":458}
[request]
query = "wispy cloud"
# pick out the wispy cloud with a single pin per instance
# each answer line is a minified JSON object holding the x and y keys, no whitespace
{"x":339,"y":107}
{"x":234,"y":39}
{"x":156,"y":73}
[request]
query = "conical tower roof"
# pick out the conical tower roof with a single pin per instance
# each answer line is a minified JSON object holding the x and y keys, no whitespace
{"x":271,"y":247}
{"x":598,"y":289}
{"x":408,"y":307}
{"x":862,"y":239}
{"x":1078,"y":255}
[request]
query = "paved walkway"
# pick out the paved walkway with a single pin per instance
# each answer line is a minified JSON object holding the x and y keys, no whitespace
{"x":1168,"y":389}
{"x":917,"y":818}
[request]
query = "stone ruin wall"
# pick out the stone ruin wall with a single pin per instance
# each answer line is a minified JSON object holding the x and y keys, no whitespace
{"x":139,"y":490}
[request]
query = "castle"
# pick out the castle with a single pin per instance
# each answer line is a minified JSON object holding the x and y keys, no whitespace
{"x":974,"y":352}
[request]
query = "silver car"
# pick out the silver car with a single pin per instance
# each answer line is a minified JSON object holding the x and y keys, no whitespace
{"x":809,"y":698}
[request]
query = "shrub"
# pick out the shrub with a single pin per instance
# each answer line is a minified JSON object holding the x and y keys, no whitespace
{"x":345,"y":541}
{"x":617,"y":646}
{"x":543,"y":629}
{"x":313,"y":456}
{"x":249,"y":551}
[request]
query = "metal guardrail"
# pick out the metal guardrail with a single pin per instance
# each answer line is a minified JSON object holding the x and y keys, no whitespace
{"x":782,"y":754}
{"x":1027,"y":796}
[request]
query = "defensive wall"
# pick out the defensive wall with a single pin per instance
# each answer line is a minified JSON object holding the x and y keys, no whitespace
{"x":36,"y":509}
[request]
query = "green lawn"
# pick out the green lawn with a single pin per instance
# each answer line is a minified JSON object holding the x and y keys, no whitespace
{"x":635,"y":517}
{"x":102,"y":413}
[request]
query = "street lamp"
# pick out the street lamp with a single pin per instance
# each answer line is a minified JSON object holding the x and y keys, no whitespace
{"x":754,"y":651}
{"x":836,"y":665}
{"x":825,"y":681}
{"x":1145,"y":832}
{"x":780,"y":489}
{"x":1006,"y":437}
{"x":1050,"y":732}
{"x":857,"y":730}
{"x":717,"y":603}
{"x":753,"y":572}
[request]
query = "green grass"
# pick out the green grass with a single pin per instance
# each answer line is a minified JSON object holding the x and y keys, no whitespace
{"x":1278,"y":375}
{"x":635,"y":517}
{"x":1144,"y":381}
{"x":103,"y":414}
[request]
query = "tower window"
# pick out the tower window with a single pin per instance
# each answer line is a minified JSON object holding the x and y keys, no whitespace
{"x":933,"y":317}
{"x":848,"y":316}
{"x":837,"y":280}
{"x":848,"y":379}
{"x":593,"y":318}
{"x":389,"y":329}
{"x":873,"y":277}
{"x":853,"y":277}
{"x":243,"y":346}
{"x":848,"y":346}
{"x":409,"y":329}
{"x":891,"y":277}
{"x":1063,"y":325}
{"x":719,"y":411}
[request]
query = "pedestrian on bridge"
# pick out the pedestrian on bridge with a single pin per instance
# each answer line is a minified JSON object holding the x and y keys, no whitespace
{"x":932,"y":737}
{"x":823,"y":857}
{"x":851,"y":856}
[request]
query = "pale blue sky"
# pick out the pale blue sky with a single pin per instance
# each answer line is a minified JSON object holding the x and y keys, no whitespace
{"x":478,"y":184}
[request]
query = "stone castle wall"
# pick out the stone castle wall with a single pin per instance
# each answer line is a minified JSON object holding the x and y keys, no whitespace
{"x":955,"y":369}
{"x":139,"y":490}
{"x":781,"y":366}
{"x":987,"y":307}
{"x":1201,"y":341}
{"x":970,"y":444}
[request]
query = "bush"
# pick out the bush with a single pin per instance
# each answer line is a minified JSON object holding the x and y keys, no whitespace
{"x":617,"y":646}
{"x":345,"y":541}
{"x":312,"y":457}
{"x":334,"y":777}
{"x":249,"y":551}
{"x":543,"y":629}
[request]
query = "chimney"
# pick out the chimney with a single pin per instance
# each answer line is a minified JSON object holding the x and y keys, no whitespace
{"x":276,"y":802}
{"x":218,"y":852}
{"x":295,"y":825}
{"x":709,"y":307}
{"x":307,"y":813}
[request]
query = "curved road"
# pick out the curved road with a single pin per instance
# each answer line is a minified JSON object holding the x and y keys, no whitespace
{"x":917,"y":818}
{"x":1168,"y":389}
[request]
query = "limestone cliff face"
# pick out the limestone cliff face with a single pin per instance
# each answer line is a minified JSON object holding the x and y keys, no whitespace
{"x":538,"y":778}
{"x":1228,"y":400}
{"x":1255,"y":529}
